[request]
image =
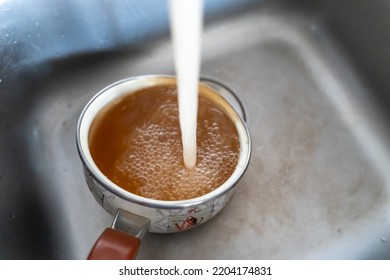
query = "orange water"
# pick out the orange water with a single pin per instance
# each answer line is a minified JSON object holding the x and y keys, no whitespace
{"x":136,"y":143}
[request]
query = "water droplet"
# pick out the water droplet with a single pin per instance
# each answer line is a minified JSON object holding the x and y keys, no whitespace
{"x":385,"y":239}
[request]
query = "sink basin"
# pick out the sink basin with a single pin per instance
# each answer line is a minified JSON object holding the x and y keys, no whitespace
{"x":313,"y":76}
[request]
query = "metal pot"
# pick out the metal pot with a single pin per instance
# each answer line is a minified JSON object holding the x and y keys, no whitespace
{"x":135,"y":214}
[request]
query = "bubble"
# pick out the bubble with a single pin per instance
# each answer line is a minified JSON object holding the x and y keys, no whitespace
{"x":143,"y":181}
{"x":146,"y":138}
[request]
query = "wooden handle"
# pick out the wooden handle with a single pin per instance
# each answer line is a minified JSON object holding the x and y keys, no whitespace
{"x":115,"y":245}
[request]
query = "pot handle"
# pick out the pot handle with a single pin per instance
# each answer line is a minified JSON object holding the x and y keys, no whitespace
{"x":115,"y":245}
{"x":123,"y":240}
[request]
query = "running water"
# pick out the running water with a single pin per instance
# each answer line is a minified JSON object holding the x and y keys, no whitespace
{"x":186,"y":19}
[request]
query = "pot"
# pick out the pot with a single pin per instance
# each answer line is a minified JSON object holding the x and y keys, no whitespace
{"x":134,"y":214}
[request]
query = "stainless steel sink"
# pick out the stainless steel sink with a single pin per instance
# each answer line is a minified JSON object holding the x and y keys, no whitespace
{"x":315,"y":81}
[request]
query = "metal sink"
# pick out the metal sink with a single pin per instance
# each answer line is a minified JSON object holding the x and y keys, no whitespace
{"x":313,"y":76}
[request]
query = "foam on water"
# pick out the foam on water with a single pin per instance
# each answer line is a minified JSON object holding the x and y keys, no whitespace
{"x":152,"y":163}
